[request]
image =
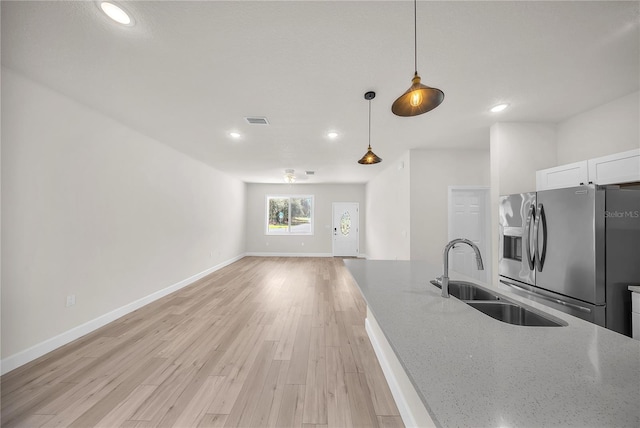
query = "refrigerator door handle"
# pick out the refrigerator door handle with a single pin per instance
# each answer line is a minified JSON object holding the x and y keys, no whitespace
{"x":529,"y":224}
{"x":542,"y":296}
{"x":543,"y":222}
{"x":536,"y":257}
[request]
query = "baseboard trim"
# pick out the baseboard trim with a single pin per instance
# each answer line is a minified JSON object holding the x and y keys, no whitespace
{"x":412,"y":410}
{"x":258,"y":254}
{"x":23,"y":357}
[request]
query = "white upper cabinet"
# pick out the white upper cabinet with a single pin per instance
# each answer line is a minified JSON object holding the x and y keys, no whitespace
{"x":569,"y":175}
{"x":619,"y":168}
{"x":612,"y":169}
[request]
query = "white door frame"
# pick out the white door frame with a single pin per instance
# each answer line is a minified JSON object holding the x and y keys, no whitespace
{"x":334,"y":226}
{"x":488,"y":264}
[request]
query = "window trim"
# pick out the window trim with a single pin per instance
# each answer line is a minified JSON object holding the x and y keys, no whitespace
{"x":267,"y":197}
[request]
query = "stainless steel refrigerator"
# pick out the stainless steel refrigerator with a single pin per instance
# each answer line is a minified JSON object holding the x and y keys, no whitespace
{"x":575,"y":249}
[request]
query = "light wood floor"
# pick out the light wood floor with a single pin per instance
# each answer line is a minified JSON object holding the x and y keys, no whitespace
{"x":262,"y":342}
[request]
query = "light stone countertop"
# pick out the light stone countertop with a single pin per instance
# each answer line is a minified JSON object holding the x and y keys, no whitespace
{"x":634,"y":288}
{"x":474,"y":371}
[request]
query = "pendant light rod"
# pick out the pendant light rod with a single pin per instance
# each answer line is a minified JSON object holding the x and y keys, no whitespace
{"x":369,"y":96}
{"x":369,"y":122}
{"x":415,"y":35}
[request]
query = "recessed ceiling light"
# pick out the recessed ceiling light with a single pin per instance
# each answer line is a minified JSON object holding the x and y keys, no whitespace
{"x":333,"y":135}
{"x":499,"y":108}
{"x":116,"y":13}
{"x":235,"y":135}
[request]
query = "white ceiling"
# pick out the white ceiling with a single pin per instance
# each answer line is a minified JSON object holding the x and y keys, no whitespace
{"x":188,"y":72}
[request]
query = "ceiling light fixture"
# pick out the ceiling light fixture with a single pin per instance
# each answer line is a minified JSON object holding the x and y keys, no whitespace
{"x":289,"y":177}
{"x":116,"y":12}
{"x":369,"y":158}
{"x":419,"y":98}
{"x":332,"y":135}
{"x":499,"y":108}
{"x":234,"y":135}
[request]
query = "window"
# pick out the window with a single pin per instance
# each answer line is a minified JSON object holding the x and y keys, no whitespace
{"x":290,"y":215}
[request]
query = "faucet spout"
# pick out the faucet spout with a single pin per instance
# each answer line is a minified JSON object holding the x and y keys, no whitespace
{"x":449,"y":246}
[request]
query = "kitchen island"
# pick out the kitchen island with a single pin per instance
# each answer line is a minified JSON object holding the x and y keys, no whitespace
{"x":470,"y":370}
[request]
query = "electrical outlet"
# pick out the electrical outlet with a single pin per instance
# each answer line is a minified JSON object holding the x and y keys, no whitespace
{"x":71,"y":300}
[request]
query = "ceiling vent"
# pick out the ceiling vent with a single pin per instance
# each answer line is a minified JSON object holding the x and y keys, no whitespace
{"x":310,"y":172}
{"x":256,"y":120}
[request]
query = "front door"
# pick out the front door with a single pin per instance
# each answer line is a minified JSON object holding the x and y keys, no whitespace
{"x":346,"y":229}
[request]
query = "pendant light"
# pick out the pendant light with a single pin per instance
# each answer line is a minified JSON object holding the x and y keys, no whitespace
{"x":369,"y":158}
{"x":419,"y":98}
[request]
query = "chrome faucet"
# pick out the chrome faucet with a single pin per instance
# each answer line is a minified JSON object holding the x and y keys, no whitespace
{"x":450,"y":245}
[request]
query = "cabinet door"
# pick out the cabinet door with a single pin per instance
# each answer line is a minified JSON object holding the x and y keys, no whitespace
{"x":569,"y":175}
{"x":614,"y":169}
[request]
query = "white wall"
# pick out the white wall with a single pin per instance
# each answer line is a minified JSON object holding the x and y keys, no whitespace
{"x":318,"y":244}
{"x":611,"y":128}
{"x":518,"y":150}
{"x":388,"y":212}
{"x":93,"y":208}
{"x":432,"y":172}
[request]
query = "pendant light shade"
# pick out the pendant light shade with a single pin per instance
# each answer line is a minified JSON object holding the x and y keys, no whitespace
{"x":369,"y":158}
{"x":418,"y":98}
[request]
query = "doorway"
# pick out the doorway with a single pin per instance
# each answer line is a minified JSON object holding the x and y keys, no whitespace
{"x":346,"y":229}
{"x":470,"y":217}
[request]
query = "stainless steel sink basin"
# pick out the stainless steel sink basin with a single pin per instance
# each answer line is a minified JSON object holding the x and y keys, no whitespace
{"x":464,"y":290}
{"x":514,"y":314}
{"x":497,"y":306}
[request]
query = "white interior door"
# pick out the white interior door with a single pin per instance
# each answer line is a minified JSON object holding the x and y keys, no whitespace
{"x":346,"y":229}
{"x":469,"y":217}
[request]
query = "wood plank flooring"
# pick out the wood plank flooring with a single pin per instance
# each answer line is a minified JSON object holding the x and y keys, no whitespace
{"x":264,"y":342}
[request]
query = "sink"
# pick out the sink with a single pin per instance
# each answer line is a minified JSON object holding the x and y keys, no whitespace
{"x":464,"y":290}
{"x":497,"y":306}
{"x":512,"y":313}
